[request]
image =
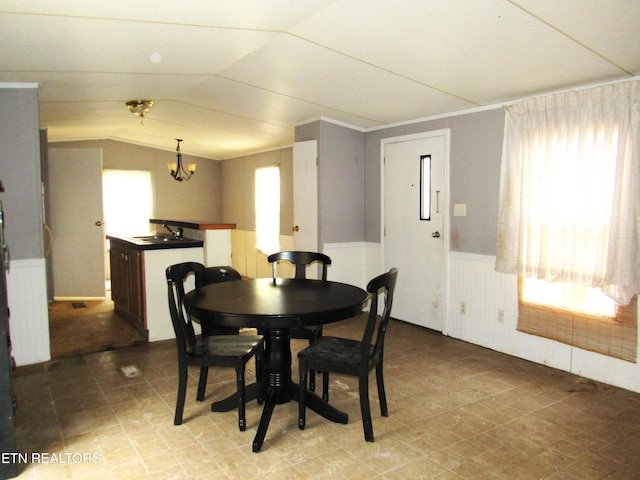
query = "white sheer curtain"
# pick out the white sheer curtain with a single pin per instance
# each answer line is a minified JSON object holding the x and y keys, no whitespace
{"x":570,"y":189}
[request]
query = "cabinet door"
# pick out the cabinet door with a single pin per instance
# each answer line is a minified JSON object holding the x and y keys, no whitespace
{"x":119,"y":276}
{"x":136,"y":287}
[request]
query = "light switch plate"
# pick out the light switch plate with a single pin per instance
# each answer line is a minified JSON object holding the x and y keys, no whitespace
{"x":459,"y":209}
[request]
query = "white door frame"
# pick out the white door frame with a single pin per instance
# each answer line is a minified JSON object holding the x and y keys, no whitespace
{"x":446,"y":132}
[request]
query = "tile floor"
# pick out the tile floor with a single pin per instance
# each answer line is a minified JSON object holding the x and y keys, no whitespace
{"x":456,"y":411}
{"x":94,"y":327}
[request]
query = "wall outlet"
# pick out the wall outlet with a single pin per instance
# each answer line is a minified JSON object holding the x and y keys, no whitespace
{"x":500,"y":316}
{"x":463,"y":308}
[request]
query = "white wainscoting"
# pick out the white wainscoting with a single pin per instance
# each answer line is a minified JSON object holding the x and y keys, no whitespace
{"x":29,"y":321}
{"x":354,"y":262}
{"x":485,"y":293}
{"x":491,"y":310}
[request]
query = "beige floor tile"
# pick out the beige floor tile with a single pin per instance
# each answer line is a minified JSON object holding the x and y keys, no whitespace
{"x":455,"y":411}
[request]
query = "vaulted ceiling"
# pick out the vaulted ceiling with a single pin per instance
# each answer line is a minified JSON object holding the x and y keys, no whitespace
{"x":232,"y":77}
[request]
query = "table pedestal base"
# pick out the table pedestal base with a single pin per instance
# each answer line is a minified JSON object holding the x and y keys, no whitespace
{"x":277,"y":387}
{"x":253,"y":392}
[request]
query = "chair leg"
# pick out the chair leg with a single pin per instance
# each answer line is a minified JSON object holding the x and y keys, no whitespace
{"x":303,"y":391}
{"x":365,"y":408}
{"x":242,"y":422}
{"x":312,"y":380}
{"x":381,"y":394}
{"x":325,"y":386}
{"x":259,"y":374}
{"x":312,"y":373}
{"x":182,"y":392}
{"x":259,"y":367}
{"x":202,"y":383}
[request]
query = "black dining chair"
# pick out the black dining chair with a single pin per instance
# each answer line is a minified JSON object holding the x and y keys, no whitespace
{"x":352,"y":357}
{"x":212,"y":351}
{"x":301,"y":260}
{"x":216,"y":275}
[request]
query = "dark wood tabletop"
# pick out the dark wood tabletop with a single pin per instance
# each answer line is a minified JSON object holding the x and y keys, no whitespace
{"x":275,"y":304}
{"x":273,"y":307}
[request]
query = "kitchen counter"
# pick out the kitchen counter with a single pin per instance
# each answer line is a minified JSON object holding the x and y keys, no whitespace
{"x":216,"y":237}
{"x":157,"y":242}
{"x":194,"y":224}
{"x":138,"y":280}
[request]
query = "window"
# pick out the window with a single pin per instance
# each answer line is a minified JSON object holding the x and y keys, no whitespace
{"x":564,"y":296}
{"x":569,"y":201}
{"x":569,"y":195}
{"x":425,"y":187}
{"x":127,"y":201}
{"x":268,"y":209}
{"x":578,"y":316}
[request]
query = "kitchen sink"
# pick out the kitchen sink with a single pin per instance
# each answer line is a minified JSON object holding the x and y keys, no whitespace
{"x":156,"y":238}
{"x":158,"y":241}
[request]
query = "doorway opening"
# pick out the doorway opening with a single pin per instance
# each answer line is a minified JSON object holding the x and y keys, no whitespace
{"x":128,"y":205}
{"x":92,"y":325}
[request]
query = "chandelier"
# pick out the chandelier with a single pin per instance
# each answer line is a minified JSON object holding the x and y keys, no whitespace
{"x":178,"y":172}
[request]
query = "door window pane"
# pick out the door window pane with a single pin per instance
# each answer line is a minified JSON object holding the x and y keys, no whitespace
{"x":425,"y":187}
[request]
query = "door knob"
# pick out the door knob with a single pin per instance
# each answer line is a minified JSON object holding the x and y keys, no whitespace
{"x":435,"y":234}
{"x":98,"y":223}
{"x":295,"y":228}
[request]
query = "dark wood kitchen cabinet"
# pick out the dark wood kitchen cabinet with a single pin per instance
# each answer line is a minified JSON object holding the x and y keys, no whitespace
{"x":127,"y":283}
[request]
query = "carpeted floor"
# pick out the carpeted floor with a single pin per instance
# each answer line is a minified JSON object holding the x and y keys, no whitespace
{"x":79,"y":327}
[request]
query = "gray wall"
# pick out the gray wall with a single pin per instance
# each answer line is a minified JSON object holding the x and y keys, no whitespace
{"x":341,"y":178}
{"x":20,"y":172}
{"x":474,"y":176}
{"x":350,"y":191}
{"x":349,"y":180}
{"x":238,"y":188}
{"x":196,"y":199}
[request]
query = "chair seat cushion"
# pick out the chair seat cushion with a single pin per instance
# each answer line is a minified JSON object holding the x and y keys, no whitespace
{"x":237,"y":346}
{"x":340,"y":355}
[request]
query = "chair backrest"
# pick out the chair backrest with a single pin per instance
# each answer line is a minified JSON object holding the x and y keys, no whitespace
{"x":182,"y":325}
{"x":301,"y":260}
{"x":385,"y":284}
{"x":206,"y":319}
{"x":216,"y":275}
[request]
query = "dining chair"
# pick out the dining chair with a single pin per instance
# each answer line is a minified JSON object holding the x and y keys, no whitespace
{"x":301,"y":260}
{"x":352,"y":357}
{"x":216,"y":275}
{"x":212,"y":351}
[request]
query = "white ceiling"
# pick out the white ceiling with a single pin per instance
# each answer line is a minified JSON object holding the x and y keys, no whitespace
{"x":232,"y":77}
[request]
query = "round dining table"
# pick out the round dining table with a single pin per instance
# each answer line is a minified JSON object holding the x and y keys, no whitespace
{"x":273,"y":307}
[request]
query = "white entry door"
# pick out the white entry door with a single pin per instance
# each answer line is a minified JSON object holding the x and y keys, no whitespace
{"x":414,"y":212}
{"x":78,"y":238}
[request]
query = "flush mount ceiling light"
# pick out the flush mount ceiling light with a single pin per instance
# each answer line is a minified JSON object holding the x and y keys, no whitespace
{"x":139,"y":107}
{"x":178,"y":172}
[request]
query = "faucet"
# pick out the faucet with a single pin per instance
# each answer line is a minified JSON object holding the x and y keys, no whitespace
{"x":176,"y":234}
